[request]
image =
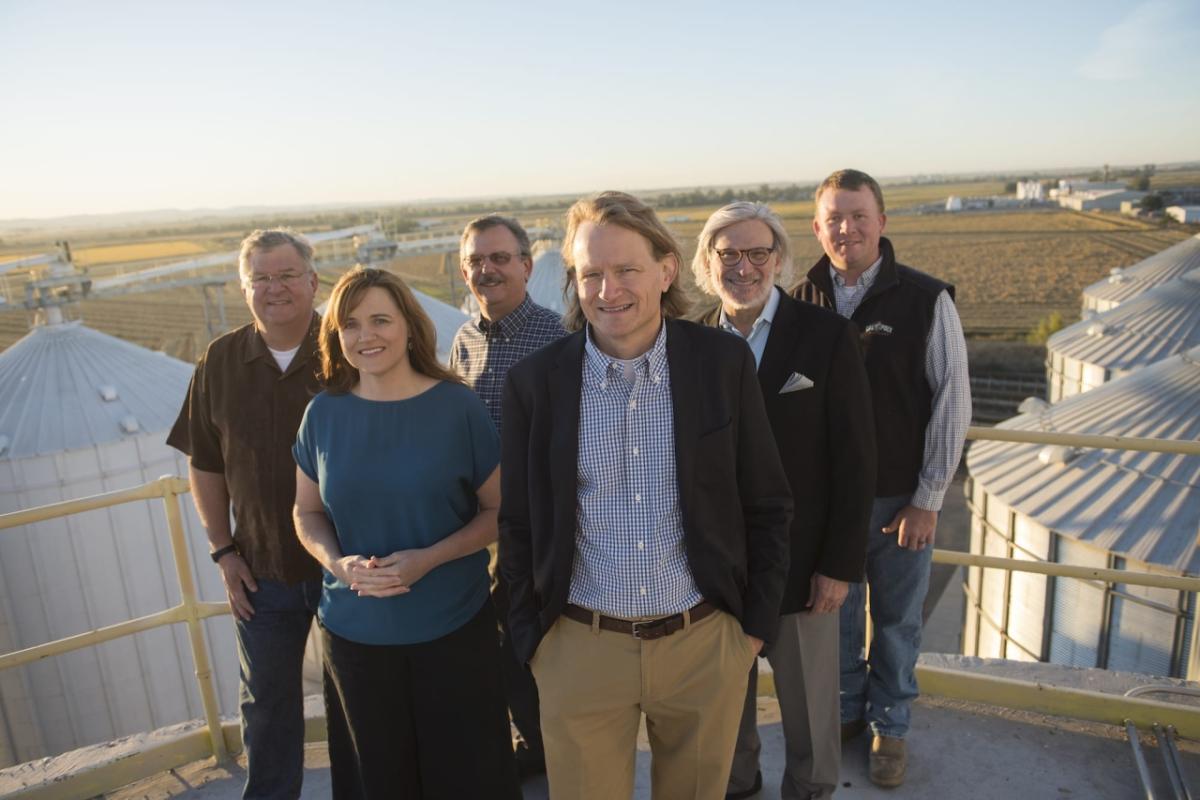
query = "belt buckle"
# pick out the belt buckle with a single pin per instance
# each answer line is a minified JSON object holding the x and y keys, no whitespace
{"x":650,"y":629}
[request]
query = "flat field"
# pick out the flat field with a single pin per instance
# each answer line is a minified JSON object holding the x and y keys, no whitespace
{"x":1011,"y":268}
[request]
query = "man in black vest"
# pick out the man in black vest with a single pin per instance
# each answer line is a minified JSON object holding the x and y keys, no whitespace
{"x":916,"y":361}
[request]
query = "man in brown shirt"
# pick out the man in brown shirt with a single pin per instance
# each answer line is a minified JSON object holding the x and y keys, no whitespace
{"x":237,"y":425}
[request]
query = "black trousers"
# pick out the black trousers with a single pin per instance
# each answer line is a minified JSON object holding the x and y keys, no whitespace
{"x":419,"y":721}
{"x":519,"y":688}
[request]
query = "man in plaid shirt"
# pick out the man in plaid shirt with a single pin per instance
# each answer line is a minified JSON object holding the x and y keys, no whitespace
{"x":496,"y":261}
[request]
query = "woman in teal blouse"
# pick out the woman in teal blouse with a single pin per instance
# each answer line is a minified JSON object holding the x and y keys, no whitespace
{"x":397,"y":488}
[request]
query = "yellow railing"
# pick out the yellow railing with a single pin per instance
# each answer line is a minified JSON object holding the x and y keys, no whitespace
{"x":954,"y":683}
{"x":190,"y":612}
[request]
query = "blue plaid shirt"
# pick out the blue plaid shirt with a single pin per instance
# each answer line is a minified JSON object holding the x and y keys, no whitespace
{"x":629,"y":556}
{"x":483,"y":351}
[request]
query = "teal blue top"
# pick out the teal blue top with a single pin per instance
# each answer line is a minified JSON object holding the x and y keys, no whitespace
{"x":398,"y":475}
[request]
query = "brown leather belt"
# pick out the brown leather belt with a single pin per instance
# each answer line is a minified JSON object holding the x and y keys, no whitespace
{"x":649,"y":629}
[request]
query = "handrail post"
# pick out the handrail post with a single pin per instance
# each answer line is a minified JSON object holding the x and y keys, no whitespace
{"x":187,"y":596}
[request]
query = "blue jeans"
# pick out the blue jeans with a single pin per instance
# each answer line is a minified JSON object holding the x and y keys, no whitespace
{"x":271,"y":656}
{"x":882,"y":689}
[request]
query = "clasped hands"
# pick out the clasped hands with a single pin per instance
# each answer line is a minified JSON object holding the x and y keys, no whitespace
{"x":382,"y":576}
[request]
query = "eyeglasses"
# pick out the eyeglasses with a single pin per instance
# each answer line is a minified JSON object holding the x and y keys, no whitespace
{"x":261,"y":280}
{"x":755,"y":255}
{"x":499,"y":258}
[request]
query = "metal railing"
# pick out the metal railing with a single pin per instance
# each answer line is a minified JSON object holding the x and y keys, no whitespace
{"x":190,"y":611}
{"x":988,"y":689}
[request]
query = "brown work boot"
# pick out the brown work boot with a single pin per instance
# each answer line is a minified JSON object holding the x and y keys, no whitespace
{"x":853,"y":728}
{"x":889,"y":759}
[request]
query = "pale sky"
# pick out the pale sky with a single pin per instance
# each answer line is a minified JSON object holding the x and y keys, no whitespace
{"x":118,"y":106}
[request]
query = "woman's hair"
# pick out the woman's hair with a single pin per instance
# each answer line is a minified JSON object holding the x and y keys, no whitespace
{"x":337,"y":374}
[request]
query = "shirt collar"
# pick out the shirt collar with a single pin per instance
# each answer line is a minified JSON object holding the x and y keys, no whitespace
{"x":765,"y":317}
{"x":598,"y":364}
{"x":865,"y":280}
{"x":510,"y":323}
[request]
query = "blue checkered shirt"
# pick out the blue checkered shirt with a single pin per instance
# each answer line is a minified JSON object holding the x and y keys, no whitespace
{"x":629,"y":556}
{"x":483,"y":351}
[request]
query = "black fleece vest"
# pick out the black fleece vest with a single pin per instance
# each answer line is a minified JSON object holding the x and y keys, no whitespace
{"x":893,"y":322}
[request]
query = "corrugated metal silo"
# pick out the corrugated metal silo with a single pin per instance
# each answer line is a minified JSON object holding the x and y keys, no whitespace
{"x":1126,"y":283}
{"x":81,"y":413}
{"x":1157,"y":323}
{"x":546,"y":283}
{"x":1103,"y":508}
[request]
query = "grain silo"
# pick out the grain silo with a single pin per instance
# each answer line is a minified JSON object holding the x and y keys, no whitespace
{"x":1125,"y":283}
{"x":545,"y":285}
{"x":1158,"y":323}
{"x":1098,"y":508}
{"x":82,"y":413}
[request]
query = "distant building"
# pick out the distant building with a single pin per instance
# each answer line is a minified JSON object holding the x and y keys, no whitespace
{"x":1188,"y":214}
{"x":1031,"y":190}
{"x":1099,"y":200}
{"x":954,"y":203}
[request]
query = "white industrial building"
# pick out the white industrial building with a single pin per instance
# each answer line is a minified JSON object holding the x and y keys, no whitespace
{"x":83,"y":413}
{"x":1184,"y":214}
{"x":1157,"y":323}
{"x":1098,"y":508}
{"x":1030,"y":190}
{"x":1099,"y":200}
{"x":1124,"y":283}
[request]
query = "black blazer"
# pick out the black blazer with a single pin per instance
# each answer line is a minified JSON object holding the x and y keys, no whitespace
{"x":826,"y":439}
{"x":733,"y":492}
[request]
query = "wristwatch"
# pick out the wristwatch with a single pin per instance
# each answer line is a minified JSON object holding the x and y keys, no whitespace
{"x":217,"y":555}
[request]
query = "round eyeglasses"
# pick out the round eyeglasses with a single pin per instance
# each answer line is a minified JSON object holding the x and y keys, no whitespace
{"x":755,"y":255}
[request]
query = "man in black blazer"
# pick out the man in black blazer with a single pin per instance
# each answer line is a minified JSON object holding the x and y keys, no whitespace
{"x":818,"y":401}
{"x":644,"y":519}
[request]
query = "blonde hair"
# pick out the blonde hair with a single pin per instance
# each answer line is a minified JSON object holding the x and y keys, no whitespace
{"x":625,"y":211}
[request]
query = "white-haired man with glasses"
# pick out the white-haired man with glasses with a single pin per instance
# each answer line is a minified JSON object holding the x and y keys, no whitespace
{"x":818,"y":403}
{"x":496,"y":260}
{"x":237,"y":425}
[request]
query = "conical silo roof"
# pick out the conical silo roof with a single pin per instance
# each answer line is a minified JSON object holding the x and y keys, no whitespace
{"x":1129,"y":282}
{"x":1145,"y":506}
{"x":67,"y":386}
{"x":1157,"y":323}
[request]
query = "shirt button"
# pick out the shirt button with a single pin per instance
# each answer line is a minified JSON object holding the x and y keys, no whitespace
{"x":641,"y":545}
{"x":633,"y":403}
{"x":637,"y":498}
{"x":643,"y":591}
{"x":635,"y":451}
{"x":657,"y":379}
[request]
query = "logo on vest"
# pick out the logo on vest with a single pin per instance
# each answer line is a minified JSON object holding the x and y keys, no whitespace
{"x":879,"y":327}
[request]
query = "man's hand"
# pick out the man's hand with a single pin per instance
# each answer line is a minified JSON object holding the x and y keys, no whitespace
{"x":235,"y":574}
{"x":826,"y":594}
{"x":756,"y":644}
{"x":915,"y":527}
{"x":386,"y":576}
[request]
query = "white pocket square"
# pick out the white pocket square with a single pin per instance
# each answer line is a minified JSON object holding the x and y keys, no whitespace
{"x":796,"y":382}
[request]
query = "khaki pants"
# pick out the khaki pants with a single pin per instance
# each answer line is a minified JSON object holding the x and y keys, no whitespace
{"x":595,"y":685}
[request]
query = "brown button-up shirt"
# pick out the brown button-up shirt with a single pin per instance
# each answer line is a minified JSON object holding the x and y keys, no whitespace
{"x":240,"y":419}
